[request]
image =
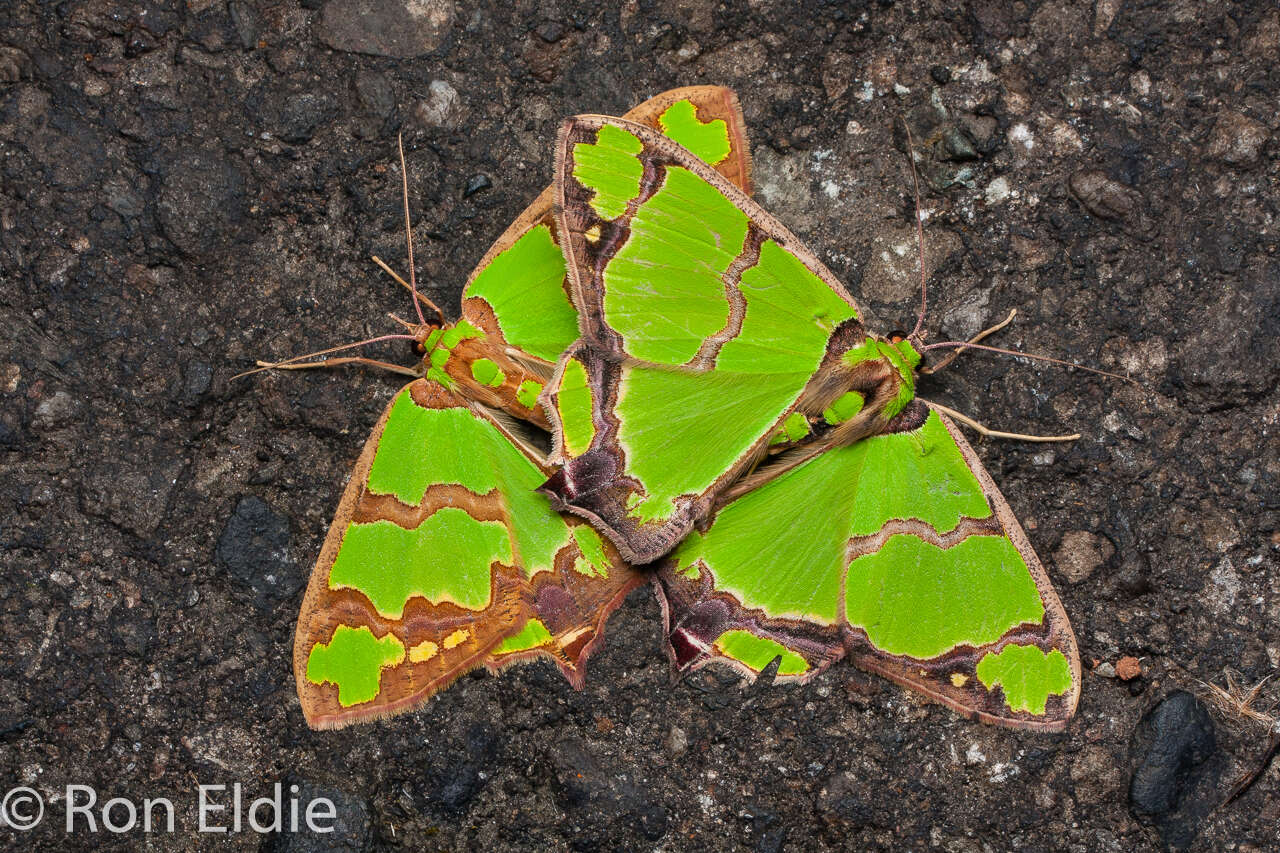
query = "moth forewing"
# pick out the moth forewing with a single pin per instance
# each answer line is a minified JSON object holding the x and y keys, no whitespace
{"x":327,"y":609}
{"x":433,"y":569}
{"x":844,"y":555}
{"x":518,"y":293}
{"x":1057,"y":633}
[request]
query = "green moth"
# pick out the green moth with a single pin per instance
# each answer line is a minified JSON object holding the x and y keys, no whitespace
{"x":711,"y":340}
{"x":441,"y":556}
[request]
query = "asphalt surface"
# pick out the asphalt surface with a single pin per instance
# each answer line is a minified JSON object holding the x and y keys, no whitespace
{"x":185,"y":188}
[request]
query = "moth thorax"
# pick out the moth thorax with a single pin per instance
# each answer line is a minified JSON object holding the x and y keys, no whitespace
{"x":860,"y":384}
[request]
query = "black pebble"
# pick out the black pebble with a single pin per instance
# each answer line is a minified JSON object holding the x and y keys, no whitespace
{"x":1182,"y":737}
{"x":475,"y":183}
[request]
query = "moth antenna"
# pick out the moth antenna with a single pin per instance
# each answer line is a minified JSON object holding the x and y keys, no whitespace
{"x":995,"y":433}
{"x":297,"y":361}
{"x":1037,"y":357}
{"x":915,"y":184}
{"x":408,"y":237}
{"x":420,"y":297}
{"x":971,"y":344}
{"x":934,"y":368}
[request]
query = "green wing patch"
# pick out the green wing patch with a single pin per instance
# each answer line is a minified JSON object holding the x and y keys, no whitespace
{"x":918,"y":571}
{"x":708,"y":141}
{"x":353,"y":660}
{"x":1027,"y":675}
{"x":524,"y":287}
{"x":610,"y":167}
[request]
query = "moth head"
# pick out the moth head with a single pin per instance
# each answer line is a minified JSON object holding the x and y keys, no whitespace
{"x":424,"y":337}
{"x":911,"y":347}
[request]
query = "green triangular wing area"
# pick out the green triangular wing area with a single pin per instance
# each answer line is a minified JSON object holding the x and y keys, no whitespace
{"x":897,"y":551}
{"x":442,"y":558}
{"x":518,"y":294}
{"x":704,"y":324}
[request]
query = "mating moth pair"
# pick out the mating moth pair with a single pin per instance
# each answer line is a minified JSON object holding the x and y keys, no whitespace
{"x":718,"y":415}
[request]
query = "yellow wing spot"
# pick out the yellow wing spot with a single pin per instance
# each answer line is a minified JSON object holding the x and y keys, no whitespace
{"x":456,"y":639}
{"x":593,"y":233}
{"x":959,"y":679}
{"x":425,"y":650}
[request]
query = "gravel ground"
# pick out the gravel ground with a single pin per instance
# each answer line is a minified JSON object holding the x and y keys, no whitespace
{"x":188,"y":187}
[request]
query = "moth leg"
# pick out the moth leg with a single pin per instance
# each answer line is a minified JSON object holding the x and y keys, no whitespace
{"x":334,"y":362}
{"x":952,"y":356}
{"x":995,"y":433}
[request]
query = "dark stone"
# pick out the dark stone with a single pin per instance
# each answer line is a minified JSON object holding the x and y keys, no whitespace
{"x":135,"y":632}
{"x":254,"y":548}
{"x":767,"y":831}
{"x":15,"y":65}
{"x":957,"y":146}
{"x":386,"y":27}
{"x":201,"y":192}
{"x":302,"y":115}
{"x":843,"y":804}
{"x":475,"y":184}
{"x":482,"y":742}
{"x":1230,"y":252}
{"x":132,"y":490}
{"x":377,"y":94}
{"x":1177,"y":768}
{"x":1182,"y":737}
{"x":652,"y":818}
{"x":1112,"y":200}
{"x":124,"y":201}
{"x":941,"y":74}
{"x":458,"y":790}
{"x":197,"y":378}
{"x":772,"y":840}
{"x":138,"y":42}
{"x":994,"y":19}
{"x":1230,"y":349}
{"x":602,"y":802}
{"x":551,"y":31}
{"x":245,"y":19}
{"x":10,"y":428}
